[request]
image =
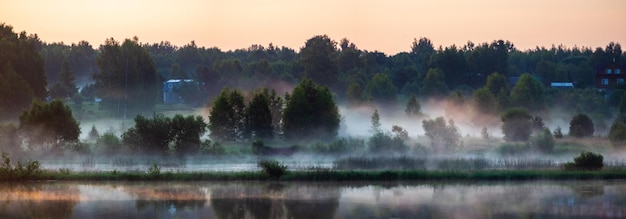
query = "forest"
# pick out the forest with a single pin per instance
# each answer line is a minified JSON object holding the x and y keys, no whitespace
{"x":301,"y":98}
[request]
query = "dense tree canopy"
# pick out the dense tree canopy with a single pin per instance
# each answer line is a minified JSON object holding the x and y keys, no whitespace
{"x":581,"y":126}
{"x":48,"y":125}
{"x":310,"y":112}
{"x":22,"y":75}
{"x":516,"y":124}
{"x":127,"y":81}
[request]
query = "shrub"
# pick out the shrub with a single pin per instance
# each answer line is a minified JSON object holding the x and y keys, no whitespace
{"x":382,"y":142}
{"x":516,"y":124}
{"x":586,"y":161}
{"x":20,"y":171}
{"x":273,"y":168}
{"x":617,"y":135}
{"x":154,"y":170}
{"x":581,"y":126}
{"x":558,"y":133}
{"x":442,"y":136}
{"x":544,"y":141}
{"x":213,"y":148}
{"x":511,"y":149}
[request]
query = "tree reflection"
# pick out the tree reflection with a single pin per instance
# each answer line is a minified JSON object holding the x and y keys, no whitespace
{"x":38,"y":200}
{"x":167,"y":197}
{"x":275,"y":201}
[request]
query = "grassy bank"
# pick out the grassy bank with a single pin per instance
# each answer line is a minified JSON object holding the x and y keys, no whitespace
{"x":339,"y":175}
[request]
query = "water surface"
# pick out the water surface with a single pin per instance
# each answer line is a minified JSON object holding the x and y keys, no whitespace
{"x":530,"y":199}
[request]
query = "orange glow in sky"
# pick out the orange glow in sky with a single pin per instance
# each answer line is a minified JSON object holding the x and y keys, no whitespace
{"x":387,"y":26}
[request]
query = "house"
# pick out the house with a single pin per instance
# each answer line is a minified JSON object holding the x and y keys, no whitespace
{"x":562,"y":85}
{"x":610,"y":76}
{"x":171,"y":91}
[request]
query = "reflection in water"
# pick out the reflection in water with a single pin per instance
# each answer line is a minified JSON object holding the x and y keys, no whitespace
{"x":36,"y":200}
{"x":582,"y":199}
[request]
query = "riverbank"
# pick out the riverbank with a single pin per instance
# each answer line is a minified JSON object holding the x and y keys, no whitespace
{"x":336,"y":175}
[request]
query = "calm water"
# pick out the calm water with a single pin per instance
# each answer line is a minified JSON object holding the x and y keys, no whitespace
{"x":544,"y":199}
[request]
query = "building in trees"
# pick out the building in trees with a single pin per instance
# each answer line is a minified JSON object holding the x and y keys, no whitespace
{"x":182,"y":91}
{"x":610,"y":75}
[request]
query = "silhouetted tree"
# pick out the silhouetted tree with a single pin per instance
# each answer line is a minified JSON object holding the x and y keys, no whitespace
{"x":581,"y":126}
{"x":48,"y":125}
{"x":310,"y":112}
{"x":516,"y":124}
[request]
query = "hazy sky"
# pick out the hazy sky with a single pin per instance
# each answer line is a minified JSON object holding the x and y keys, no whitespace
{"x":387,"y":26}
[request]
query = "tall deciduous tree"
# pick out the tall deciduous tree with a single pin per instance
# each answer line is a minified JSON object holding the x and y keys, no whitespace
{"x":21,"y":71}
{"x":442,"y":136}
{"x":310,"y":112}
{"x":127,"y":80}
{"x":259,"y":117}
{"x":48,"y":125}
{"x":227,"y":118}
{"x":434,"y":84}
{"x":516,"y":124}
{"x":528,"y":93}
{"x":319,"y":59}
{"x":381,"y":89}
{"x":581,"y":126}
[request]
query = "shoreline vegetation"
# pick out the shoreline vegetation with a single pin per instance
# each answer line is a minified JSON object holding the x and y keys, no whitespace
{"x":333,"y":175}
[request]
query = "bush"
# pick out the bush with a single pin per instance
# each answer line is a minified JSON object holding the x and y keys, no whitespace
{"x":586,"y":161}
{"x":273,"y":168}
{"x":213,"y":148}
{"x":544,"y":141}
{"x":382,"y":142}
{"x":558,"y":133}
{"x":617,"y":135}
{"x":581,"y":126}
{"x":154,"y":170}
{"x":20,"y":171}
{"x":516,"y":124}
{"x":511,"y":149}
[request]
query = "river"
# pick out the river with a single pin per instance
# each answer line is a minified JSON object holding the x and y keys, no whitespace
{"x":526,"y":199}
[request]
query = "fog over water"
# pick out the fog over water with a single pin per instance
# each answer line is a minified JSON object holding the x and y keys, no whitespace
{"x":580,"y":199}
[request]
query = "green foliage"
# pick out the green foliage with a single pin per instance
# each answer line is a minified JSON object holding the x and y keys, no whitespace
{"x":163,"y":134}
{"x":355,"y":94}
{"x":442,"y":136}
{"x":617,"y":134}
{"x":109,"y":144}
{"x":339,"y":146}
{"x":318,"y":57}
{"x":273,"y":168}
{"x":544,"y":141}
{"x":93,"y":134}
{"x":310,"y":112}
{"x":259,"y":117}
{"x":15,"y":93}
{"x":513,"y":149}
{"x":382,"y":142}
{"x":48,"y":125}
{"x":516,"y":124}
{"x":227,"y":118}
{"x":485,"y":102}
{"x":528,"y":93}
{"x":581,"y":126}
{"x":497,"y":82}
{"x":154,"y":170}
{"x":20,"y":171}
{"x":381,"y":89}
{"x":413,"y":107}
{"x":484,"y":133}
{"x":434,"y":84}
{"x":66,"y":87}
{"x":127,"y":81}
{"x":20,"y":56}
{"x":375,"y":121}
{"x":213,"y":148}
{"x":558,"y":133}
{"x":586,"y":161}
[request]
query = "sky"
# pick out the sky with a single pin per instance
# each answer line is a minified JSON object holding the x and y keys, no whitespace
{"x":386,"y":26}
